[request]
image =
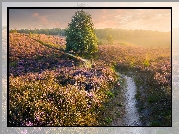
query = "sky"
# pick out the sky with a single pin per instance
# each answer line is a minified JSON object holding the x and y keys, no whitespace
{"x":146,"y":19}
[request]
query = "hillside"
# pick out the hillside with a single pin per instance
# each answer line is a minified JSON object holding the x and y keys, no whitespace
{"x":46,"y":82}
{"x":48,"y":87}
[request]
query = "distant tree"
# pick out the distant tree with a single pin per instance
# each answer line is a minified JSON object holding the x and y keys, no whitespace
{"x":13,"y":31}
{"x":109,"y":39}
{"x":30,"y":34}
{"x":80,"y":35}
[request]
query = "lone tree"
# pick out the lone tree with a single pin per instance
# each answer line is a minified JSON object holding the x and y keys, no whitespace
{"x":80,"y":36}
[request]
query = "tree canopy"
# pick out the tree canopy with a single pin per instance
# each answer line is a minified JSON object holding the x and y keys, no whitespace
{"x":80,"y":35}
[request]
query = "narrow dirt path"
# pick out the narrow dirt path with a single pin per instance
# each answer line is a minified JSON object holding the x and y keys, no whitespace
{"x":132,"y":115}
{"x":123,"y":107}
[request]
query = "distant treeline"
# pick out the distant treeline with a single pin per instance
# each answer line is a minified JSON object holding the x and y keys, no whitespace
{"x":126,"y":34}
{"x":54,"y":31}
{"x":102,"y":33}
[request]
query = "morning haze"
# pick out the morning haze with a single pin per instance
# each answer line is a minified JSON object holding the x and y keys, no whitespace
{"x":145,"y":19}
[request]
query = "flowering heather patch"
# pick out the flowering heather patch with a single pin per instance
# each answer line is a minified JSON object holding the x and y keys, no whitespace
{"x":151,"y":68}
{"x":133,"y":58}
{"x":27,"y":55}
{"x":46,"y":100}
{"x":21,"y":46}
{"x":49,"y":40}
{"x":48,"y":88}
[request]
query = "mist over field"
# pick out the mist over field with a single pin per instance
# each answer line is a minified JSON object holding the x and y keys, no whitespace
{"x":146,"y":38}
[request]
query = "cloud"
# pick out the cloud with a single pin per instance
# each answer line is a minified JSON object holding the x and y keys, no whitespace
{"x":146,"y":19}
{"x":134,"y":19}
{"x":35,"y":14}
{"x":44,"y":21}
{"x":102,"y":18}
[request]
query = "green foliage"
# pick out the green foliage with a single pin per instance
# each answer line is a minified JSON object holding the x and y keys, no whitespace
{"x":152,"y":98}
{"x":54,"y":31}
{"x":108,"y":120}
{"x":13,"y":64}
{"x":119,"y":104}
{"x":132,"y":63}
{"x":13,"y":31}
{"x":155,"y":123}
{"x":81,"y":38}
{"x":110,"y":94}
{"x":146,"y":63}
{"x":30,"y":35}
